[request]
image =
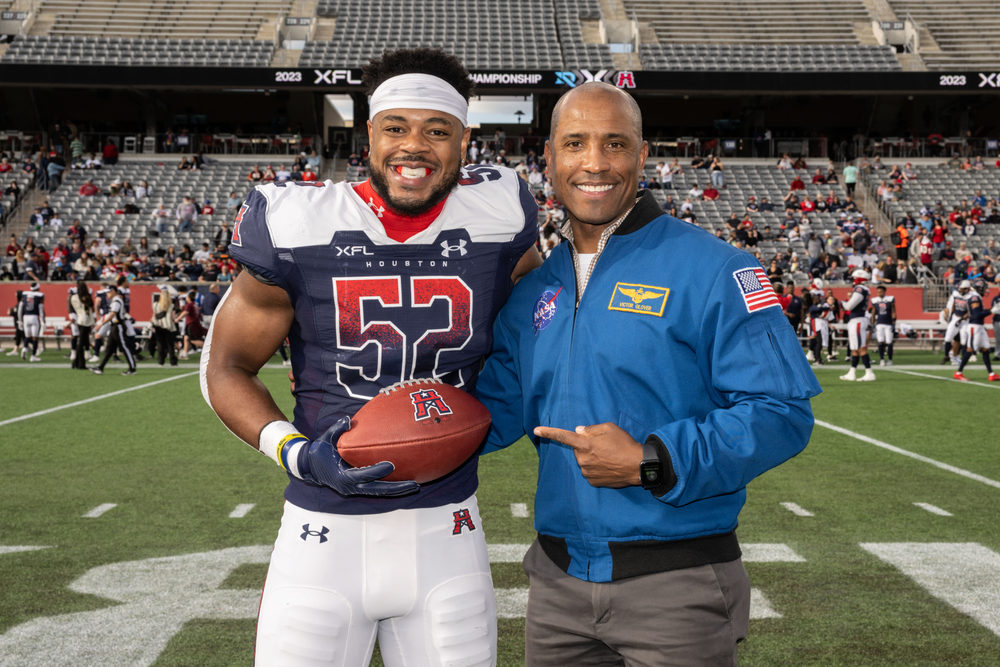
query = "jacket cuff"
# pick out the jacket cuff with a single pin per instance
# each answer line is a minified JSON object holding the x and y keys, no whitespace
{"x":669,"y":475}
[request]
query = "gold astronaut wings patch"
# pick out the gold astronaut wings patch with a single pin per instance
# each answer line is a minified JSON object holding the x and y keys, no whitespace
{"x":645,"y":299}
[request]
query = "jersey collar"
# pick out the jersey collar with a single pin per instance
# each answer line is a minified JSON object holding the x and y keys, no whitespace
{"x":397,"y":227}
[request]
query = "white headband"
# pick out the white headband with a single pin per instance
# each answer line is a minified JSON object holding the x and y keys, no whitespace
{"x":419,"y":91}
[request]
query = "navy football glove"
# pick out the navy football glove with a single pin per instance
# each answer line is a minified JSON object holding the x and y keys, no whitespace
{"x":320,"y":463}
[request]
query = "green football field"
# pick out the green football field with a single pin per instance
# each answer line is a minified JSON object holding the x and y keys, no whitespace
{"x":135,"y":530}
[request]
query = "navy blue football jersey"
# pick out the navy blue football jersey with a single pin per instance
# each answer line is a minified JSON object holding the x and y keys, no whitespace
{"x":977,"y":313}
{"x":883,"y":309}
{"x":819,"y":311}
{"x":102,"y":301}
{"x":371,"y":311}
{"x":32,"y":302}
{"x":861,"y":310}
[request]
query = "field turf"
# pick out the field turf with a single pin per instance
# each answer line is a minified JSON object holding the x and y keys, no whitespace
{"x":870,"y":578}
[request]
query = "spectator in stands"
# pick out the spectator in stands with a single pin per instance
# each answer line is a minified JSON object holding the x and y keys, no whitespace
{"x":807,"y":205}
{"x":710,"y":193}
{"x":698,"y":162}
{"x":877,"y":164}
{"x":896,"y":193}
{"x":93,"y":162}
{"x":831,"y":176}
{"x":966,"y":166}
{"x":818,"y":178}
{"x":185,"y":214}
{"x":979,"y":199}
{"x":76,"y":151}
{"x":695,"y":192}
{"x":909,"y":173}
{"x":126,"y":189}
{"x":36,"y":221}
{"x":185,"y":164}
{"x":717,"y":174}
{"x":255,"y":175}
{"x":796,"y":184}
{"x":309,"y":175}
{"x":5,"y":166}
{"x":791,"y":201}
{"x":198,"y":161}
{"x":785,"y":162}
{"x":269,"y":174}
{"x":800,"y":164}
{"x":110,"y":153}
{"x":88,"y":189}
{"x":161,"y":219}
{"x":925,"y":248}
{"x":13,"y":190}
{"x":12,"y":247}
{"x":687,"y":206}
{"x":896,"y":174}
{"x":206,"y":208}
{"x":752,"y":206}
{"x":202,"y":253}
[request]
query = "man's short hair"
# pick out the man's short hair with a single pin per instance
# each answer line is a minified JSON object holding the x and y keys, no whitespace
{"x":421,"y":60}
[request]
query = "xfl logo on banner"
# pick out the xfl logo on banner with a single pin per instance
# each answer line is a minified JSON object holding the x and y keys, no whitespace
{"x":991,"y":80}
{"x":574,"y":78}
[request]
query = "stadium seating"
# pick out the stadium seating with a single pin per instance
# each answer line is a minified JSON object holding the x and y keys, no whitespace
{"x":177,"y":19}
{"x":768,"y":57}
{"x":169,"y":187}
{"x":78,"y":50}
{"x":965,"y":33}
{"x":576,"y":53}
{"x":7,"y":202}
{"x":483,"y":33}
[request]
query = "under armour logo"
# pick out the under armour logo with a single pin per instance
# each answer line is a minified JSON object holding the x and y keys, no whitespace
{"x":379,"y":210}
{"x":462,"y":518}
{"x":321,"y":534}
{"x":458,"y":247}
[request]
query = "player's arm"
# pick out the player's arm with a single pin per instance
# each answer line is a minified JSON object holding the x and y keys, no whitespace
{"x":529,"y":261}
{"x":247,"y":331}
{"x":855,"y":299}
{"x":41,"y":313}
{"x":893,"y":314}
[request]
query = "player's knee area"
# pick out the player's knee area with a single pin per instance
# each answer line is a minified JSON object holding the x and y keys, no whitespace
{"x":462,"y":621}
{"x":305,"y":627}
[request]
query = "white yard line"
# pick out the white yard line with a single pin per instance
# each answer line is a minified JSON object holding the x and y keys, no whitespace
{"x":95,"y":398}
{"x":933,"y":509}
{"x":912,"y":455}
{"x":896,"y":367}
{"x":938,"y":377}
{"x":13,"y":550}
{"x":519,"y":510}
{"x":796,"y":509}
{"x":241,"y":510}
{"x":99,"y":510}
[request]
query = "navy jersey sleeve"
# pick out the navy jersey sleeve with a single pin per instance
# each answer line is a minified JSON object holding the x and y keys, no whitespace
{"x":762,"y":383}
{"x":251,"y":244}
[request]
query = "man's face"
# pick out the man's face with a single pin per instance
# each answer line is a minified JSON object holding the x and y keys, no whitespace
{"x":416,"y":157}
{"x":595,"y":156}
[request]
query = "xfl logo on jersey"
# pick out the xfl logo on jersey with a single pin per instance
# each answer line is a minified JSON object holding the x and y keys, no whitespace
{"x":424,"y":400}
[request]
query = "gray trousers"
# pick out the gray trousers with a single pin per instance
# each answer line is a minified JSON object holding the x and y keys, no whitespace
{"x":692,"y":617}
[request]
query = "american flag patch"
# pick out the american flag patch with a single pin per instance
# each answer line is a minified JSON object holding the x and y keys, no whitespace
{"x":756,"y":289}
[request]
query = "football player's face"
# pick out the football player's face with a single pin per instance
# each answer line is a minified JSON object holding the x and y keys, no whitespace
{"x":595,"y":156}
{"x":416,"y":156}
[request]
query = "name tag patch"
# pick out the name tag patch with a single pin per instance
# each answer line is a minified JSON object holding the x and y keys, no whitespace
{"x":645,"y":299}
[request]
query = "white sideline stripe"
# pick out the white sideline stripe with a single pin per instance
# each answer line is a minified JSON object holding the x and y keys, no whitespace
{"x":770,"y":553}
{"x":933,"y":509}
{"x":95,"y":398}
{"x":507,"y":553}
{"x":513,"y":603}
{"x":896,"y":367}
{"x":796,"y":509}
{"x":12,"y":550}
{"x":241,"y":510}
{"x":966,"y":575}
{"x":937,"y":377}
{"x":99,"y":510}
{"x":912,"y":455}
{"x":519,"y":510}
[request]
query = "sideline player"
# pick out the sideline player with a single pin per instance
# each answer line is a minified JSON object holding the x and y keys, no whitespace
{"x":884,"y":319}
{"x":395,"y":278}
{"x":956,"y":336}
{"x":819,"y":326}
{"x":117,"y":319}
{"x":857,"y":328}
{"x":14,"y":312}
{"x":101,"y":331}
{"x":31,"y":312}
{"x":979,"y":340}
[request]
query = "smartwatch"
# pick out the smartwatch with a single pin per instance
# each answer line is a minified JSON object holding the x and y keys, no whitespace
{"x":651,"y":468}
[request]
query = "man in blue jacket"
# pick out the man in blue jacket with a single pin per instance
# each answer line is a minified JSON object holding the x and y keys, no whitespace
{"x":658,"y":376}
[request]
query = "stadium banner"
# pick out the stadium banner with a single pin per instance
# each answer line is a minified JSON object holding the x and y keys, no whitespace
{"x":348,"y":79}
{"x":909,"y":299}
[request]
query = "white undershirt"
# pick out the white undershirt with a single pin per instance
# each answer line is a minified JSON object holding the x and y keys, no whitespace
{"x":585,"y":261}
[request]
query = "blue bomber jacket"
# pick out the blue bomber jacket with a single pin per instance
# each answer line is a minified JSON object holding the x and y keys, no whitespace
{"x":678,"y":340}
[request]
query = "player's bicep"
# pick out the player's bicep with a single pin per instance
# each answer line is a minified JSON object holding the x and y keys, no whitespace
{"x":250,"y":326}
{"x":529,"y":261}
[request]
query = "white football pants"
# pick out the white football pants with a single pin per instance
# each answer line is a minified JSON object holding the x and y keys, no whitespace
{"x":418,"y":578}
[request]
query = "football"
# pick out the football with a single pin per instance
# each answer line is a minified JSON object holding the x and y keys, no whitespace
{"x":426,"y":428}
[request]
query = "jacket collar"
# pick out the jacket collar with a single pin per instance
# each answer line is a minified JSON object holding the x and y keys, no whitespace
{"x":645,"y":211}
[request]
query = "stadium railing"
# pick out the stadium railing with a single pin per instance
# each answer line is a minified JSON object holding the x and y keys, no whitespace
{"x":204,"y":141}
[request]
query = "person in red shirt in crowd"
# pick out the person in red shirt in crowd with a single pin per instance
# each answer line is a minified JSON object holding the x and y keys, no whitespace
{"x":807,"y":205}
{"x":710,"y":193}
{"x":797,"y":184}
{"x":926,"y":249}
{"x":819,"y":178}
{"x":799,"y":163}
{"x":206,"y":208}
{"x":110,"y":153}
{"x":5,"y":166}
{"x":955,"y":217}
{"x":13,"y":246}
{"x":309,"y":174}
{"x":88,"y":189}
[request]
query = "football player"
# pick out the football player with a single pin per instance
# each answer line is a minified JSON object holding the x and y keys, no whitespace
{"x":395,"y":278}
{"x":884,"y":319}
{"x":819,"y":328}
{"x":31,"y":312}
{"x":857,"y":328}
{"x":957,"y":334}
{"x":979,"y":340}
